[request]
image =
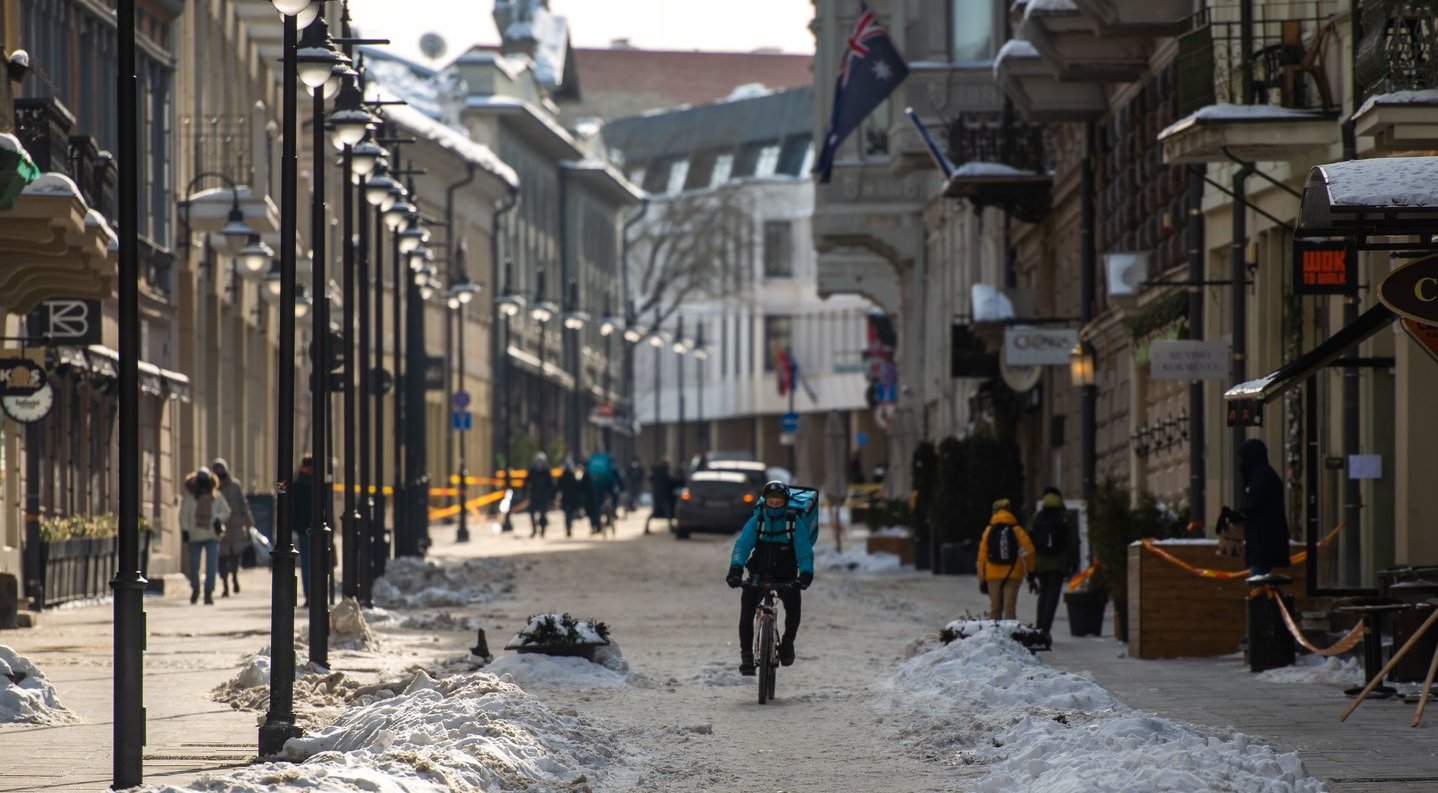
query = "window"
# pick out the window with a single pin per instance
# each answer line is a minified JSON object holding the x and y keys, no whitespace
{"x":723,"y":167}
{"x":794,"y":154}
{"x":701,"y":170}
{"x":973,"y":31}
{"x":656,"y":176}
{"x":678,"y":172}
{"x":778,"y":249}
{"x":748,"y":160}
{"x":778,"y":335}
{"x":768,"y":162}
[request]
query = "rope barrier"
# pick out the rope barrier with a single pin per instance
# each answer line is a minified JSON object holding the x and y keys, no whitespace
{"x":1348,"y":642}
{"x":1229,"y":575}
{"x":474,"y":503}
{"x":1082,"y":577}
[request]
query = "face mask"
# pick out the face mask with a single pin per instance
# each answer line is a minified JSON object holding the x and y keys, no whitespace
{"x":774,"y":512}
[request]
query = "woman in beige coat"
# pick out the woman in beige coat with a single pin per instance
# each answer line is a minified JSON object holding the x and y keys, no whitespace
{"x":203,"y":513}
{"x":237,"y":527}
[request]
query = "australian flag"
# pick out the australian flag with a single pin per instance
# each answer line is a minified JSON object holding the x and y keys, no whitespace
{"x":870,"y":71}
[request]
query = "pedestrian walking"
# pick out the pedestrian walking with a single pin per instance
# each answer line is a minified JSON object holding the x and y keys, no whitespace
{"x":203,"y":512}
{"x":1006,"y":557}
{"x":634,"y":484}
{"x":1260,"y":512}
{"x":1056,"y":550}
{"x":661,"y":480}
{"x":571,"y":494}
{"x":540,"y":483}
{"x":302,"y":490}
{"x":237,"y":526}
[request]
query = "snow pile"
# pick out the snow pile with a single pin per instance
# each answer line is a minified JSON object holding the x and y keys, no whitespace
{"x":348,"y":629}
{"x":26,"y":697}
{"x":609,"y":668}
{"x":990,"y":701}
{"x":856,"y":559}
{"x":443,"y":621}
{"x":318,"y":692}
{"x":722,"y":673}
{"x":414,"y":583}
{"x":1316,"y":669}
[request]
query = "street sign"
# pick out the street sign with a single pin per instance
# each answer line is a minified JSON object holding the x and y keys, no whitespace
{"x":886,"y":391}
{"x":1426,"y":335}
{"x":462,"y":421}
{"x":66,"y":321}
{"x":21,"y":376}
{"x":786,"y":439}
{"x":789,"y":422}
{"x":1184,"y":359}
{"x":433,"y":374}
{"x":460,"y":400}
{"x":861,"y":439}
{"x":1412,"y":290}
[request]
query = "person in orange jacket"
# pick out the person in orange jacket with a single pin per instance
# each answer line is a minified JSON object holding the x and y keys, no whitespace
{"x":1006,"y":557}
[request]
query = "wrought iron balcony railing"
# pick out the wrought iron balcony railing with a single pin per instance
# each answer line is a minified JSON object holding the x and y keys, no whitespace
{"x":1398,"y":47}
{"x":43,"y":126}
{"x":1263,"y":60}
{"x":1000,"y":137}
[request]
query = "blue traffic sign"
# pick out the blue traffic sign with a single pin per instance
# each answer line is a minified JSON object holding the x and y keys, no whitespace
{"x":886,"y":391}
{"x":462,"y":421}
{"x":861,"y":439}
{"x":459,"y":400}
{"x":789,"y":422}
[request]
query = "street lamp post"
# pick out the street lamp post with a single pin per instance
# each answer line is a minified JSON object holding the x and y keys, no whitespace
{"x":129,"y":583}
{"x":414,"y":541}
{"x":575,"y":320}
{"x":656,"y":340}
{"x":461,"y":294}
{"x":542,"y":312}
{"x":679,"y":349}
{"x":365,"y":500}
{"x":508,"y":305}
{"x":701,"y":355}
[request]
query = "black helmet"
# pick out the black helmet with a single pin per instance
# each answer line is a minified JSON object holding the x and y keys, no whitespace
{"x":775,"y":486}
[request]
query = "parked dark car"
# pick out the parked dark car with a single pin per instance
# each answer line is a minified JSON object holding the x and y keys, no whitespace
{"x":719,"y":498}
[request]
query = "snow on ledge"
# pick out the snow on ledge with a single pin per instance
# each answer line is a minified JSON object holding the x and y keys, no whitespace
{"x":1379,"y":182}
{"x":973,"y":170}
{"x":1224,"y":113}
{"x":1049,"y":8}
{"x":1015,"y":48}
{"x":1427,"y":96}
{"x":55,"y":184}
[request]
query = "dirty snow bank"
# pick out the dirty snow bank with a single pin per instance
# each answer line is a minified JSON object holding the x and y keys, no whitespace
{"x":988,"y":701}
{"x":609,"y":668}
{"x":1318,"y":670}
{"x":414,"y":583}
{"x":26,"y":697}
{"x":856,"y":559}
{"x":468,"y":732}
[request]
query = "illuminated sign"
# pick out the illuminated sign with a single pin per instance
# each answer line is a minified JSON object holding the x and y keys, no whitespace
{"x":1323,"y":268}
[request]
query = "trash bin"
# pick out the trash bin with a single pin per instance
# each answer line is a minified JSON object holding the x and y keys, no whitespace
{"x":1085,"y":611}
{"x":957,"y":558}
{"x":1270,"y":645}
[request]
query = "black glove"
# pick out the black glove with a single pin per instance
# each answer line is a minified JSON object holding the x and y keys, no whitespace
{"x":219,"y":527}
{"x":185,"y":537}
{"x":735,"y":577}
{"x":805,"y":579}
{"x":1033,"y":584}
{"x":984,"y":587}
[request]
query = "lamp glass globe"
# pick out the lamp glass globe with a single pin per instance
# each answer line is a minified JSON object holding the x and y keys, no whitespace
{"x":290,"y":7}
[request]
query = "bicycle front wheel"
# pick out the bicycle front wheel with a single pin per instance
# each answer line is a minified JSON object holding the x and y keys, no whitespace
{"x":766,"y":662}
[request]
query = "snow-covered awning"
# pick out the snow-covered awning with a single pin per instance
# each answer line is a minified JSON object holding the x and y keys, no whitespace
{"x":1271,"y":385}
{"x":105,"y":362}
{"x":1038,"y":93}
{"x":1064,"y":37}
{"x":1027,"y":195}
{"x":1248,"y":132}
{"x":1386,"y":196}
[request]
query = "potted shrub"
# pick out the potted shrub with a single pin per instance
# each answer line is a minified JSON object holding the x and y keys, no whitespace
{"x":1110,"y":530}
{"x":560,"y":634}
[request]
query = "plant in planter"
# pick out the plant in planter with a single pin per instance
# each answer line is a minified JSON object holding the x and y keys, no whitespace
{"x":1116,"y":519}
{"x":560,"y":634}
{"x":972,"y":474}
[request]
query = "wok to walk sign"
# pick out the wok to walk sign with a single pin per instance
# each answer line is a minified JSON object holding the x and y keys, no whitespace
{"x":1321,"y":267}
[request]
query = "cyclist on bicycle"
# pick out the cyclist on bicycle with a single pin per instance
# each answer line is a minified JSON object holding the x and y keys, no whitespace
{"x":768,"y":547}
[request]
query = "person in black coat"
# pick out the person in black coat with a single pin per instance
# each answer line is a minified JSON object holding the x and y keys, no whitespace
{"x":571,"y":494}
{"x":302,"y":490}
{"x":661,"y":479}
{"x":540,"y":483}
{"x":1261,"y":513}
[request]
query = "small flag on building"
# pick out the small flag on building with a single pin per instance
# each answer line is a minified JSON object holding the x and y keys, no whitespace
{"x":870,"y":71}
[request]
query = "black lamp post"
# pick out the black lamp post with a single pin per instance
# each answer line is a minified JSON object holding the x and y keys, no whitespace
{"x":608,"y":324}
{"x":542,"y":312}
{"x":633,"y":334}
{"x":701,"y":355}
{"x":575,"y":320}
{"x":129,"y":583}
{"x":681,"y":346}
{"x":279,"y":724}
{"x":413,"y":539}
{"x":657,"y":341}
{"x":508,"y":305}
{"x":460,"y":295}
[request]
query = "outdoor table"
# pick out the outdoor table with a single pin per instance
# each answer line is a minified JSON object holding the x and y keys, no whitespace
{"x":1373,"y":610}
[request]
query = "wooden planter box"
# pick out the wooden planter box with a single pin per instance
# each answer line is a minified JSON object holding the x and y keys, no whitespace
{"x":1173,"y":613}
{"x":902,"y":547}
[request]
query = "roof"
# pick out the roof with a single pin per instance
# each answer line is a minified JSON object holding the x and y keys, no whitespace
{"x":722,"y":125}
{"x":625,"y":81}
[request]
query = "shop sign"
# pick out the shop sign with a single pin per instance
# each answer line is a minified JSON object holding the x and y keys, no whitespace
{"x":1182,"y":359}
{"x":1039,"y":347}
{"x":1411,"y":291}
{"x":1321,"y":267}
{"x":1426,"y":335}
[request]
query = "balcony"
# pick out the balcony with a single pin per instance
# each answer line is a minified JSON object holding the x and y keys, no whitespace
{"x":1156,"y":18}
{"x":1002,"y":162}
{"x":1039,"y":95}
{"x":1397,"y":75}
{"x":1265,"y":95}
{"x":1065,"y":39}
{"x":937,"y":92}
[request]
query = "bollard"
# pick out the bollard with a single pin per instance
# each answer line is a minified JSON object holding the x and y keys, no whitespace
{"x":481,"y":647}
{"x":1270,"y":645}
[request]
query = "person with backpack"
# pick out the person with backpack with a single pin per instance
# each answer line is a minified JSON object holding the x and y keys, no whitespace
{"x":776,"y":543}
{"x":1056,"y":549}
{"x":1006,"y":558}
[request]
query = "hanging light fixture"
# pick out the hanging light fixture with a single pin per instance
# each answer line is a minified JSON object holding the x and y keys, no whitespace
{"x":411,"y":237}
{"x":271,"y":288}
{"x":395,"y":215}
{"x":236,"y":231}
{"x":464,"y":290}
{"x":290,"y":7}
{"x":315,"y":55}
{"x":365,"y":156}
{"x":254,"y":259}
{"x":304,"y":308}
{"x":349,"y":121}
{"x":377,"y":190}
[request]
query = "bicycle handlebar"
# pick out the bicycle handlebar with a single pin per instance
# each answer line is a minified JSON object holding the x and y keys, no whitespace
{"x":776,"y":586}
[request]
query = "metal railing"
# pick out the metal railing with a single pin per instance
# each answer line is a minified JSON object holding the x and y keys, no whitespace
{"x":1263,"y":60}
{"x":998,"y":137}
{"x":1398,"y":49}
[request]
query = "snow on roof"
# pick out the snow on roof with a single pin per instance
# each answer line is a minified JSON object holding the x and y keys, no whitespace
{"x":447,"y":137}
{"x":1428,"y":96}
{"x":54,"y":184}
{"x":1015,"y":48}
{"x":1224,"y":113}
{"x":1379,"y":182}
{"x":510,"y":103}
{"x":977,"y":169}
{"x":401,"y":80}
{"x":1039,"y":7}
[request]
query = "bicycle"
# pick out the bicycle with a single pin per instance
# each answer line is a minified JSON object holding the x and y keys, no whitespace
{"x":766,"y":634}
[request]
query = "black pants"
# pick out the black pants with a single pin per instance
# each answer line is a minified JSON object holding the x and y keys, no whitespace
{"x":749,"y":602}
{"x":1051,"y":586}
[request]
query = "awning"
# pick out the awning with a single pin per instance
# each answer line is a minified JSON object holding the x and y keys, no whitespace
{"x":530,"y":363}
{"x":154,"y":381}
{"x":177,"y":386}
{"x":1273,"y":384}
{"x":1379,"y":197}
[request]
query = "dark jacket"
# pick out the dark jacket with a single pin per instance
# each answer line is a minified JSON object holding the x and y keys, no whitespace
{"x":571,"y":491}
{"x":302,"y":512}
{"x":1265,"y":520}
{"x":1056,"y":519}
{"x":540,"y":483}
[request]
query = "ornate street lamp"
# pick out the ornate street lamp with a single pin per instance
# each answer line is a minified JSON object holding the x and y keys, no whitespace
{"x":253,"y":260}
{"x":316,"y":58}
{"x":365,"y":156}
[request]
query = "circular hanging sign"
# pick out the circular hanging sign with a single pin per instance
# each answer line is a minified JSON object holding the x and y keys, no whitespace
{"x":29,"y":408}
{"x":21,"y":376}
{"x":1412,"y":290}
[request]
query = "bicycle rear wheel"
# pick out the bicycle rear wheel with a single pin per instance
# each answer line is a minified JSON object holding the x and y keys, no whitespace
{"x":766,"y":662}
